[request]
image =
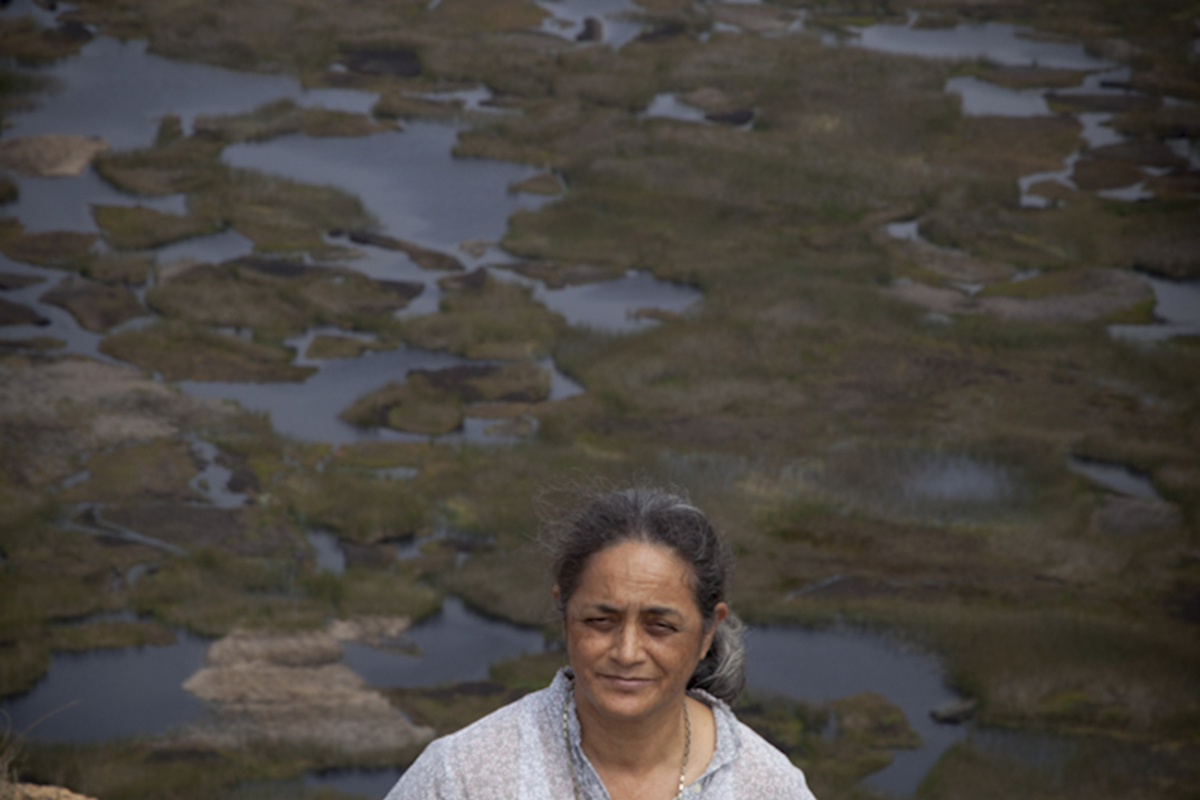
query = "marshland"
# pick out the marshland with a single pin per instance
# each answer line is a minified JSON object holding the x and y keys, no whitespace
{"x":310,"y":311}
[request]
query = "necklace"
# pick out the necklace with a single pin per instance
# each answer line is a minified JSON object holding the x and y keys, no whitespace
{"x":687,"y":748}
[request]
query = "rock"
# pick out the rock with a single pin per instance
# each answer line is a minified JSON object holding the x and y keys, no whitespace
{"x":51,"y":155}
{"x":19,"y":314}
{"x":593,"y":31}
{"x":955,"y":712}
{"x":422,"y":257}
{"x":96,"y":306}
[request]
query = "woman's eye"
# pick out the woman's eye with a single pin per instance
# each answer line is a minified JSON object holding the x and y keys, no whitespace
{"x":662,"y":627}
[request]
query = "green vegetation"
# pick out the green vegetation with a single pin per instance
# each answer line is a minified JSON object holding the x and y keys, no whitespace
{"x":486,"y":318}
{"x":808,"y":403}
{"x":180,"y":351}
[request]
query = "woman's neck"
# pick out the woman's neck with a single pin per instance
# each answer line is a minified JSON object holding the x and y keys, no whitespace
{"x":632,"y":746}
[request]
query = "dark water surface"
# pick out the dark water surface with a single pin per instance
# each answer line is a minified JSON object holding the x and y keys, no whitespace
{"x":107,"y":694}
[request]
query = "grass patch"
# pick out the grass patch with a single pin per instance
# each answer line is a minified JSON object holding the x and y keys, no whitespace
{"x":359,"y":508}
{"x":141,"y":228}
{"x":181,"y":351}
{"x":277,"y":299}
{"x":486,"y":319}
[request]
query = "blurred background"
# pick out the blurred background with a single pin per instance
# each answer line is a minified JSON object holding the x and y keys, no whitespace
{"x":312,"y":312}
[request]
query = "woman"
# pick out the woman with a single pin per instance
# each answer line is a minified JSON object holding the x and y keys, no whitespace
{"x":655,"y":658}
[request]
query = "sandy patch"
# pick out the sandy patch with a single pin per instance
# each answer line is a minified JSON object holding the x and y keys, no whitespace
{"x":290,"y":688}
{"x":51,"y":155}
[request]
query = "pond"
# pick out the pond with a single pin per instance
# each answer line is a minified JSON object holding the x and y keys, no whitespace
{"x":107,"y":694}
{"x":136,"y":691}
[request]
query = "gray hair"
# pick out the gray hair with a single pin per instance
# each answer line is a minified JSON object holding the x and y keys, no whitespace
{"x":659,"y":517}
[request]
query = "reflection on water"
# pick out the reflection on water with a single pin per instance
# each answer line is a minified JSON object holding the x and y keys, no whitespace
{"x":119,"y":91}
{"x":1117,"y":477}
{"x":981,"y":97}
{"x":1176,"y":309}
{"x":456,"y":645}
{"x":612,"y":306}
{"x":214,"y":249}
{"x":46,"y":204}
{"x":408,"y":179}
{"x":923,"y":484}
{"x":309,"y":410}
{"x":997,"y":42}
{"x":667,"y":106}
{"x":567,"y":19}
{"x":104,"y":694}
{"x":819,"y":666}
{"x":330,"y":556}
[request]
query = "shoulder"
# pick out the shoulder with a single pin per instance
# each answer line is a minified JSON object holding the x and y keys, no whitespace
{"x":483,"y":754}
{"x":767,"y":771}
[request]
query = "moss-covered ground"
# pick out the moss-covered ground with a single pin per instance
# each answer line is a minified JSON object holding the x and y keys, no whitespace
{"x":808,"y":404}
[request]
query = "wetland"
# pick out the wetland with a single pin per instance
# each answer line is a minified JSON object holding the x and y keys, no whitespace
{"x":304,"y":304}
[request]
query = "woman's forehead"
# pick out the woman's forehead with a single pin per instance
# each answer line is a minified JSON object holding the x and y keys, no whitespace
{"x":639,"y":574}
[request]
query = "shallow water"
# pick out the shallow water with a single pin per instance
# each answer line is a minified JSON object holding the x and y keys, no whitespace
{"x":408,"y":179}
{"x":611,"y":306}
{"x":366,"y":782}
{"x":923,"y":484}
{"x":1176,"y":309}
{"x":997,"y":42}
{"x":119,"y":91}
{"x":456,"y":644}
{"x":105,"y":694}
{"x":819,"y":666}
{"x":1117,"y":477}
{"x":330,"y":557}
{"x":981,"y":97}
{"x":668,"y":106}
{"x":567,"y":17}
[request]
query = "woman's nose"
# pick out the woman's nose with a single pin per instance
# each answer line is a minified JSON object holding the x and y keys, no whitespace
{"x":627,"y":648}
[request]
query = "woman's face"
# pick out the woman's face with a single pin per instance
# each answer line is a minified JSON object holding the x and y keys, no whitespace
{"x":634,"y":634}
